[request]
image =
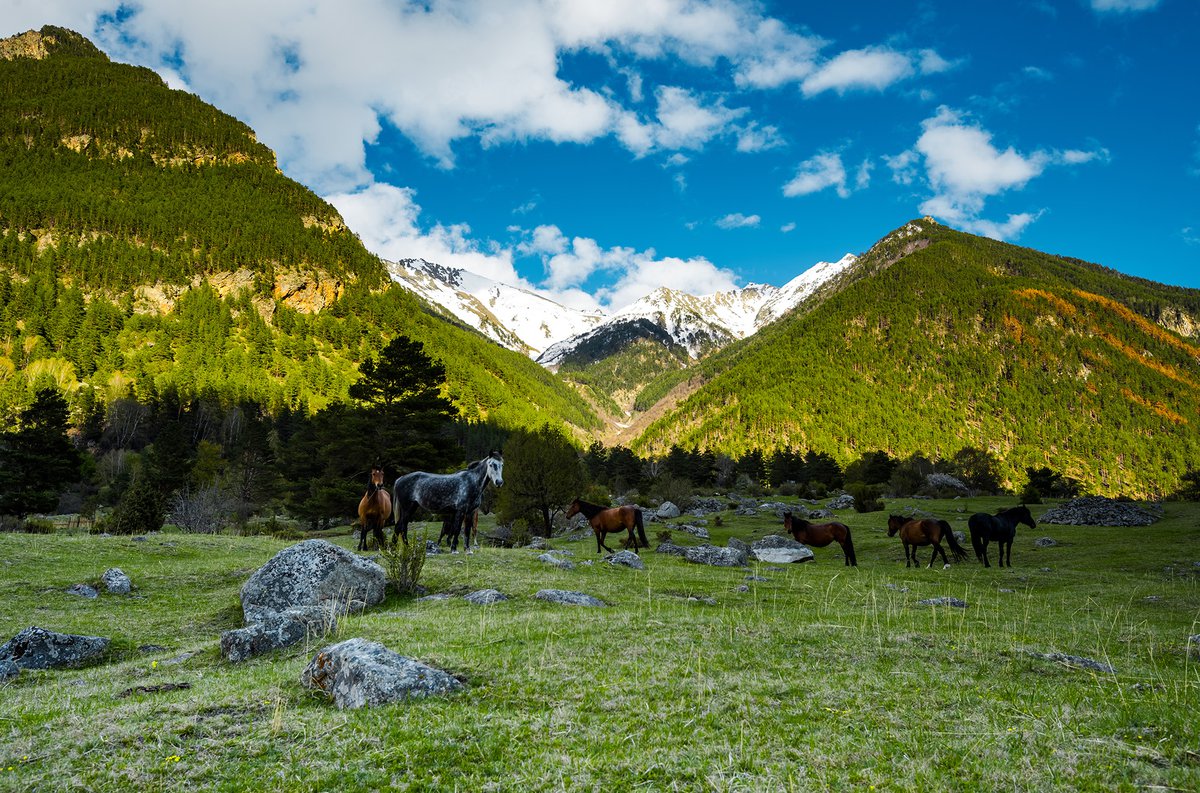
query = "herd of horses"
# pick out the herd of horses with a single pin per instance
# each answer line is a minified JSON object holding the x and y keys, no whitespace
{"x":456,"y":497}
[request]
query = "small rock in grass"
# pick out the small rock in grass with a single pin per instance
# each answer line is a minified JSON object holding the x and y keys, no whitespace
{"x":551,"y":559}
{"x":38,"y":648}
{"x":436,"y":596}
{"x":485,"y":597}
{"x":742,"y":588}
{"x":568,"y":598}
{"x":943,"y":601}
{"x":626,"y":559}
{"x":1045,"y":542}
{"x":8,"y":670}
{"x":1077,"y":661}
{"x":116,"y":582}
{"x":83,"y":590}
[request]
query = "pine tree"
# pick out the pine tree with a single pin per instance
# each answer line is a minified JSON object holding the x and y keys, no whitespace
{"x":38,"y":462}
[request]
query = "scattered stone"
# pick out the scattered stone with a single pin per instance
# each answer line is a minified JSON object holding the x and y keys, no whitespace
{"x":671,"y":549}
{"x":551,"y":559}
{"x":943,"y":601}
{"x":138,"y":539}
{"x":777,"y":549}
{"x":706,"y":601}
{"x":485,"y":597}
{"x":436,"y":596}
{"x":1005,"y":591}
{"x":149,"y":649}
{"x":897,"y":588}
{"x":742,"y":588}
{"x":358,"y":672}
{"x":1045,"y":542}
{"x":83,"y":590}
{"x":717,"y":557}
{"x":1194,"y":644}
{"x":179,"y":659}
{"x":1046,"y":569}
{"x":538,"y":544}
{"x":568,"y":598}
{"x":8,"y":670}
{"x":705,"y":506}
{"x":38,"y":648}
{"x":844,"y":501}
{"x":275,"y":630}
{"x":432,"y":548}
{"x":755,"y":578}
{"x":313,"y":573}
{"x":699,"y":532}
{"x":626,"y":559}
{"x":116,"y":582}
{"x":737,"y":545}
{"x":1076,"y":661}
{"x":1098,"y":511}
{"x":1152,"y":598}
{"x":667,"y":510}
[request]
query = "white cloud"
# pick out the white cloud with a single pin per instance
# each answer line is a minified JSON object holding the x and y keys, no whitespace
{"x":964,"y":169}
{"x":644,"y":272}
{"x":752,"y":137}
{"x":817,"y":173}
{"x":387,"y":220}
{"x":737,"y":220}
{"x":871,"y":69}
{"x":787,"y":228}
{"x":862,"y":179}
{"x":686,"y":121}
{"x":1123,"y":6}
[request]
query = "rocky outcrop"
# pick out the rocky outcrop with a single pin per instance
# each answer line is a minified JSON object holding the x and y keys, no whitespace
{"x":626,"y":559}
{"x":667,"y":510}
{"x":485,"y":597}
{"x":38,"y":648}
{"x":716,"y":557}
{"x":1098,"y":511}
{"x":274,"y":631}
{"x":358,"y":673}
{"x":775,"y":549}
{"x":116,"y":582}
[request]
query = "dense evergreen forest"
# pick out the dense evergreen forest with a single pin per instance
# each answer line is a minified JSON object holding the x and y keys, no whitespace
{"x":939,"y":340}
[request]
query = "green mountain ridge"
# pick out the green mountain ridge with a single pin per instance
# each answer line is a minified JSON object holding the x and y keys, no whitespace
{"x":149,"y":242}
{"x":937,"y":340}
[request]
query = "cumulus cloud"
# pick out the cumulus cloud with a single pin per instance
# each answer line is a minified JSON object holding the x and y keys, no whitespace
{"x":737,"y":220}
{"x":826,"y":170}
{"x":963,"y":169}
{"x":387,"y":219}
{"x":1123,"y":6}
{"x":752,"y":137}
{"x":871,"y":69}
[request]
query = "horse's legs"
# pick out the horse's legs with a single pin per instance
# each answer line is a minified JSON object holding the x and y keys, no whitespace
{"x":600,"y":542}
{"x":906,"y":553}
{"x":986,"y":563}
{"x":1002,"y":545}
{"x":377,"y":530}
{"x":937,"y":548}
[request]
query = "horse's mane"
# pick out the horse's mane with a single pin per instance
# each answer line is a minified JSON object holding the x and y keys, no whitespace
{"x":589,"y":509}
{"x":1005,"y":510}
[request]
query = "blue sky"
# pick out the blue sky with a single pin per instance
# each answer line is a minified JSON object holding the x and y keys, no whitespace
{"x":594,"y":151}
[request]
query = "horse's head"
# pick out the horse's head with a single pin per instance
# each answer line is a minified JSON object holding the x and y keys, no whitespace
{"x":1027,"y":517}
{"x":572,"y":510}
{"x":894,"y":524}
{"x":787,"y":521}
{"x":495,"y":469}
{"x":376,"y":476}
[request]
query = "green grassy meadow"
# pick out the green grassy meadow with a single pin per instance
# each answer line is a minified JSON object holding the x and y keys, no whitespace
{"x":821,"y":677}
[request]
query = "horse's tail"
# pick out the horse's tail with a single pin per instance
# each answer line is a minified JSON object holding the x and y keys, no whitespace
{"x":641,"y":529}
{"x":849,"y":549}
{"x":957,"y":551}
{"x":977,"y":534}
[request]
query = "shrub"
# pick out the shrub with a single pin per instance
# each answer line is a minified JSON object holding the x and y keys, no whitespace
{"x":201,"y":511}
{"x":37,"y":526}
{"x":403,"y":562}
{"x":866,"y":497}
{"x":522,"y":534}
{"x":1030,"y":495}
{"x":663,"y":536}
{"x":676,"y":489}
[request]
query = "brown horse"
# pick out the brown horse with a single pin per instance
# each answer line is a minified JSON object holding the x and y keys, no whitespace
{"x":608,"y":519}
{"x":819,"y":535}
{"x":915,"y":532}
{"x":374,"y":510}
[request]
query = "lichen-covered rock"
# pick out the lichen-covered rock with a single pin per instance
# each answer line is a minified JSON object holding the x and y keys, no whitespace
{"x":568,"y":598}
{"x":38,"y":648}
{"x":313,"y":573}
{"x":485,"y":597}
{"x":357,"y":673}
{"x":116,"y":582}
{"x":8,"y":670}
{"x":274,"y":631}
{"x":717,"y":557}
{"x":671,"y":549}
{"x":1077,"y":661}
{"x":83,"y":591}
{"x":776,"y":549}
{"x":667,"y":510}
{"x":1045,"y":542}
{"x":699,"y":532}
{"x":556,"y":561}
{"x":844,"y":501}
{"x":626,"y":559}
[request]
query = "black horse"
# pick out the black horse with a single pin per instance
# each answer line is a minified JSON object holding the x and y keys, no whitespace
{"x":1001,"y":527}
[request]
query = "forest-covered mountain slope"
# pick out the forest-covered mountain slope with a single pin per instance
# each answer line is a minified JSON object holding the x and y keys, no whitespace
{"x":936,"y":340}
{"x":149,"y":242}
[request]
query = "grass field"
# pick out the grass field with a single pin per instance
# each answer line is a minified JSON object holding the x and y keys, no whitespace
{"x":821,"y":677}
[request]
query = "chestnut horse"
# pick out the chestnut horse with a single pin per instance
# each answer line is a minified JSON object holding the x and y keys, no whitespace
{"x":608,"y":519}
{"x":915,"y":532}
{"x":819,"y":535}
{"x":374,"y":510}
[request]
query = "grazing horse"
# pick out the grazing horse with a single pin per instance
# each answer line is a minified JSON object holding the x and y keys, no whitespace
{"x":1001,"y":527}
{"x":915,"y":532}
{"x":819,"y":535}
{"x":608,"y":519}
{"x":374,"y":510}
{"x":455,"y":494}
